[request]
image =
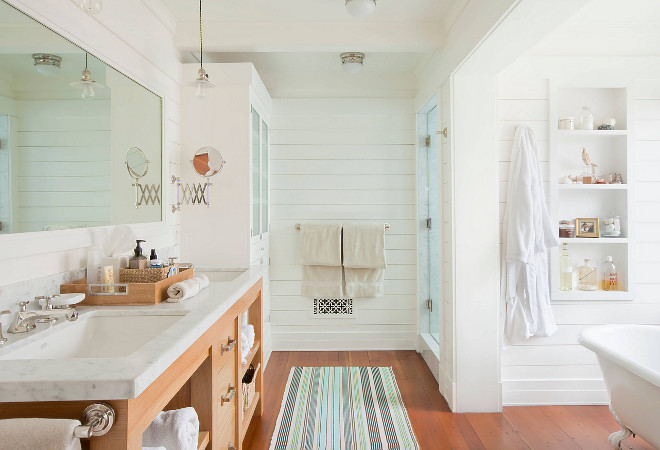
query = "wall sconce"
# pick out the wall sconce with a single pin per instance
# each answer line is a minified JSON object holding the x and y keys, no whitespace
{"x":207,"y":162}
{"x":138,"y":166}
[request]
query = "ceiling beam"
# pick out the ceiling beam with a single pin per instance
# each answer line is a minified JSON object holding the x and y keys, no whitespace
{"x":310,"y":37}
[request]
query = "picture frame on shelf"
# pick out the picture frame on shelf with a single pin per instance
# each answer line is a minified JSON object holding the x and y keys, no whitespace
{"x":587,"y":227}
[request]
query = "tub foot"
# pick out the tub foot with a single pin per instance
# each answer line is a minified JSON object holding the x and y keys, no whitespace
{"x":623,"y":433}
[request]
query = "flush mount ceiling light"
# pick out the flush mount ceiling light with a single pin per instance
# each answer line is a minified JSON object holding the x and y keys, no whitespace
{"x":86,"y":84}
{"x":91,"y":6}
{"x":361,"y":8}
{"x":202,"y":82}
{"x":46,"y":64}
{"x":352,"y":62}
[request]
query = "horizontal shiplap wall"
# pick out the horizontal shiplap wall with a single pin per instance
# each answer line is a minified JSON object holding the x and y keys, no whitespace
{"x":342,"y":160}
{"x":556,"y":369}
{"x":64,"y":163}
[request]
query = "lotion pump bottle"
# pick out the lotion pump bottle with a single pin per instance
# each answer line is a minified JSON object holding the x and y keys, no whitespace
{"x":138,"y":260}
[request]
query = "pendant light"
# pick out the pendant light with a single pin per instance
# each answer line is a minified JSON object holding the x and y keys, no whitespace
{"x":360,"y":8}
{"x":202,"y":81}
{"x":86,"y":84}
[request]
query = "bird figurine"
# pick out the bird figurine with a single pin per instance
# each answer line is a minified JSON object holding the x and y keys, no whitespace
{"x":587,"y":159}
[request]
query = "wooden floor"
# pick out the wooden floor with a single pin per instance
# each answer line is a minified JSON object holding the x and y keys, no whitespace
{"x":556,"y":427}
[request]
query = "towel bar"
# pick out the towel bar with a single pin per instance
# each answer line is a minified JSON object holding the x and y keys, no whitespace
{"x":387,"y":226}
{"x":97,"y":420}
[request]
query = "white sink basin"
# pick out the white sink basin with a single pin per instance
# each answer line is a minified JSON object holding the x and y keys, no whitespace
{"x":223,"y":275}
{"x":94,"y":336}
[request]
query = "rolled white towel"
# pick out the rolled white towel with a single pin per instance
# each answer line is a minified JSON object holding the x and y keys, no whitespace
{"x":175,"y":430}
{"x":203,"y":280}
{"x":244,"y":318}
{"x":249,"y":332}
{"x":245,"y":348}
{"x":28,"y":434}
{"x":187,"y":288}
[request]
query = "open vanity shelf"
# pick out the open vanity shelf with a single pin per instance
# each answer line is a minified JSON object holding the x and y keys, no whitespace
{"x":612,"y":150}
{"x":207,"y":377}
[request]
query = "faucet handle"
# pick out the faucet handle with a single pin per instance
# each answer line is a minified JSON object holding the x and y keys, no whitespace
{"x":22,"y":306}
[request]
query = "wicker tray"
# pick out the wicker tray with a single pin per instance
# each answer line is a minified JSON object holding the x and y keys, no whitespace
{"x":125,"y":294}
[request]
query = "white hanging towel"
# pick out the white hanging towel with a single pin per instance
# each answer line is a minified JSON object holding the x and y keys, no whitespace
{"x":320,"y":257}
{"x":29,"y":434}
{"x":364,"y":259}
{"x":527,"y":236}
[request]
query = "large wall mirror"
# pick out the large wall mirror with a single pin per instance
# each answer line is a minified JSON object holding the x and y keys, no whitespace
{"x":68,"y":123}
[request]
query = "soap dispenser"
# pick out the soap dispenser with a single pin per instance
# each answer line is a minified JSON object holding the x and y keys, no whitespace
{"x":138,"y":260}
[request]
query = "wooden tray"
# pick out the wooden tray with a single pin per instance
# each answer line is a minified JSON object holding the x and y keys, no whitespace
{"x":138,"y":293}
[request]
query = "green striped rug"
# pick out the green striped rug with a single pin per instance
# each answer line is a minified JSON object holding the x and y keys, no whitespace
{"x":342,"y":408}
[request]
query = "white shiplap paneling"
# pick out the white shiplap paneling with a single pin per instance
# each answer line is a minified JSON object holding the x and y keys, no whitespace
{"x":341,"y":160}
{"x":557,"y":370}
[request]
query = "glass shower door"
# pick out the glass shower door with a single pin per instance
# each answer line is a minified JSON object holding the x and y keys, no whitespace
{"x":433,"y":224}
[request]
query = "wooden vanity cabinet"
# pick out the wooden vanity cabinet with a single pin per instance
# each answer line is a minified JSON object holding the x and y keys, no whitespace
{"x":207,"y":377}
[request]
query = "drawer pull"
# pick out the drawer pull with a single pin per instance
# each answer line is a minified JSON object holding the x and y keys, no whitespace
{"x":231,"y":447}
{"x":231,"y":343}
{"x":230,"y":394}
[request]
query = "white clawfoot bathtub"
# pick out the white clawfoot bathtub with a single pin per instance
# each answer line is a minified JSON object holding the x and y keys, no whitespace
{"x":629,"y":356}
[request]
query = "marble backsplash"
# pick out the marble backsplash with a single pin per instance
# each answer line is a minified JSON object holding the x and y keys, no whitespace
{"x":11,"y":294}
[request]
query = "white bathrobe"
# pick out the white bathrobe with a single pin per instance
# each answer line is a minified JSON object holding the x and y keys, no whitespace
{"x":527,"y":236}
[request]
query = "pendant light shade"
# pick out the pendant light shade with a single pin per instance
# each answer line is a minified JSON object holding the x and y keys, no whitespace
{"x":201,"y":83}
{"x":352,"y":62}
{"x":86,"y":85}
{"x":360,"y":8}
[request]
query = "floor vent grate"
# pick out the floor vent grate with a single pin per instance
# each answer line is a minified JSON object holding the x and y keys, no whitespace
{"x":333,"y":307}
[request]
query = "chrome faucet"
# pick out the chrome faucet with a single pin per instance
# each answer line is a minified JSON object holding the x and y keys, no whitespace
{"x":25,"y":320}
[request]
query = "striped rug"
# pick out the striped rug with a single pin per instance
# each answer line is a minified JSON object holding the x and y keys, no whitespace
{"x":342,"y":408}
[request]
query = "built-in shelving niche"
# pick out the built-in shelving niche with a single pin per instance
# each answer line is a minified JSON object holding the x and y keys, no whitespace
{"x":612,"y":150}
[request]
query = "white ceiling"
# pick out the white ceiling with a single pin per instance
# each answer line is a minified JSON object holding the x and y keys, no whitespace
{"x":607,"y":28}
{"x":309,"y":10}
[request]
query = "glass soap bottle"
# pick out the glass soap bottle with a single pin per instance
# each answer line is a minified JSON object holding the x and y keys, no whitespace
{"x":587,"y":276}
{"x":565,"y":270}
{"x":586,"y":119}
{"x":610,"y":281}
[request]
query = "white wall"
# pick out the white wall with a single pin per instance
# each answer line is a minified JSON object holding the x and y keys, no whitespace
{"x":340,"y":160}
{"x":137,"y":41}
{"x":556,"y":370}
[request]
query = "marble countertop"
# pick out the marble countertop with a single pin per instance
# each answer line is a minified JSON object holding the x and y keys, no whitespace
{"x":124,"y":377}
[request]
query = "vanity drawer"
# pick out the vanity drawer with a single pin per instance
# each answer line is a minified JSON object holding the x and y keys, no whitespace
{"x":227,"y":435}
{"x":227,"y":344}
{"x":227,"y":389}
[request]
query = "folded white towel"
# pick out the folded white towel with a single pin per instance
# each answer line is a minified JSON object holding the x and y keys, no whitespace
{"x":364,"y":246}
{"x":320,"y":244}
{"x":321,"y":282}
{"x":154,"y":448}
{"x":175,"y":430}
{"x":187,"y":288}
{"x":29,"y":434}
{"x":244,"y":318}
{"x":364,"y":283}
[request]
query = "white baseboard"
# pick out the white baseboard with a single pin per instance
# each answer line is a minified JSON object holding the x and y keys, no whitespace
{"x":337,"y":342}
{"x":527,"y":398}
{"x":429,"y":350}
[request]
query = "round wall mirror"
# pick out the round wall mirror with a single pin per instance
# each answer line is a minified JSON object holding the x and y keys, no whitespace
{"x":208,"y":162}
{"x":136,"y":163}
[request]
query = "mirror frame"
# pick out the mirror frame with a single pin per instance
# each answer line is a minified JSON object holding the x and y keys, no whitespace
{"x":25,"y":244}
